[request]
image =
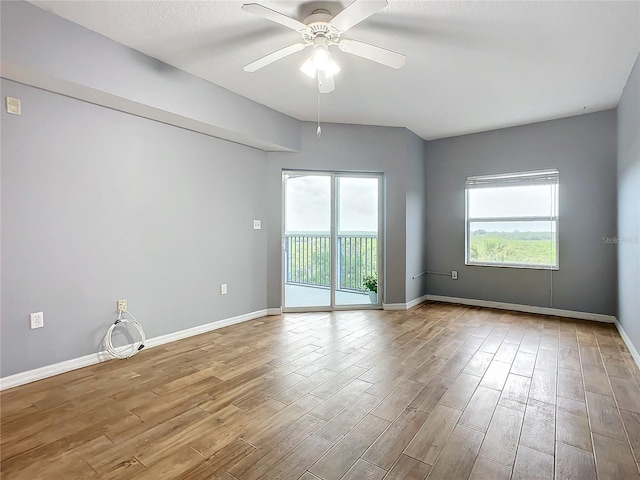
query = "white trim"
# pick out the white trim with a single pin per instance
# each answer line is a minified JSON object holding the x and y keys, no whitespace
{"x":394,"y":306}
{"x":50,"y":370}
{"x":416,"y":301}
{"x":207,"y":327}
{"x":598,"y":317}
{"x":93,"y":358}
{"x":405,"y":306}
{"x":338,"y":308}
{"x":627,"y":342}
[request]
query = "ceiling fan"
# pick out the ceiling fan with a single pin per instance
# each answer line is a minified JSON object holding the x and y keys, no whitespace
{"x":321,"y":30}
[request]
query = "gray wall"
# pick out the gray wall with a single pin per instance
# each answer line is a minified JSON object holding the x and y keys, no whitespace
{"x":416,"y":217}
{"x":629,"y":207}
{"x":44,"y":50}
{"x":350,"y":148}
{"x":583,"y":149}
{"x":99,"y":205}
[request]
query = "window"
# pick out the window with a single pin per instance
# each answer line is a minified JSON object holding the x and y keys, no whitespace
{"x":512,"y":220}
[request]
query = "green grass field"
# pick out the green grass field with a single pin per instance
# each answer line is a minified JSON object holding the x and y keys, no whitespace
{"x":532,"y":248}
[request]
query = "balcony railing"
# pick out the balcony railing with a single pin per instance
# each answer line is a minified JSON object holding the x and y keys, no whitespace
{"x":308,"y":259}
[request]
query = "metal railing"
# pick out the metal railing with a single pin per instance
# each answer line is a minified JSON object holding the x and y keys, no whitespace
{"x":308,"y":260}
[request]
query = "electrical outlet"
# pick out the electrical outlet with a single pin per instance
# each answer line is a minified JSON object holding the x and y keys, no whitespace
{"x":122,"y":305}
{"x":223,"y":289}
{"x":257,"y":224}
{"x":37,"y":320}
{"x":454,"y":274}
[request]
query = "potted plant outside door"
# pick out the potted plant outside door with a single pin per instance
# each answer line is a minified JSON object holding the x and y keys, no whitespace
{"x":370,"y":284}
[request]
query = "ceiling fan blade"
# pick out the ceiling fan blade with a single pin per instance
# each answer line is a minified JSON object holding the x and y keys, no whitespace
{"x":272,"y":57}
{"x":371,"y":52}
{"x":358,"y":11}
{"x":325,"y":84}
{"x":274,"y":16}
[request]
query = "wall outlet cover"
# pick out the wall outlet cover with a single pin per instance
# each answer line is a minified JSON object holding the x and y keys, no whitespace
{"x":37,"y":320}
{"x":257,"y":224}
{"x":122,"y":305}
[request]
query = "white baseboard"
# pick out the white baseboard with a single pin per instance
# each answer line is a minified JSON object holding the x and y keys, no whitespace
{"x":627,"y":341}
{"x":417,"y":301}
{"x":93,"y":358}
{"x":394,"y":306}
{"x":598,"y":317}
{"x":405,"y":306}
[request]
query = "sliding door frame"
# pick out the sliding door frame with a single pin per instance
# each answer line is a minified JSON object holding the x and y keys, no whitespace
{"x":334,"y":240}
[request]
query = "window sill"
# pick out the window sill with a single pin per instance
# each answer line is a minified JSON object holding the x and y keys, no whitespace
{"x":519,"y":266}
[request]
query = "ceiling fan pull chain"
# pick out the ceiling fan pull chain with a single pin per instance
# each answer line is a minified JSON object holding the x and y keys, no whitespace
{"x":319,"y":129}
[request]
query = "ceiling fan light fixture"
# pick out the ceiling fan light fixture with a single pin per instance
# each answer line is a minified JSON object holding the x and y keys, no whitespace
{"x":320,"y":60}
{"x":308,"y":69}
{"x":322,"y":31}
{"x":321,"y":57}
{"x":331,"y":69}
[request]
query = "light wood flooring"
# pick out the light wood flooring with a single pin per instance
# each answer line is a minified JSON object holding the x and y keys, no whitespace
{"x":440,"y":391}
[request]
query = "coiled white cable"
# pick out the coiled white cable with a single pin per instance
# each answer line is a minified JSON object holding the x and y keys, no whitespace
{"x":134,"y":348}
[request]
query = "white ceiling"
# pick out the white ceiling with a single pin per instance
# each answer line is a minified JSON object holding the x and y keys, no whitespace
{"x":471,"y":66}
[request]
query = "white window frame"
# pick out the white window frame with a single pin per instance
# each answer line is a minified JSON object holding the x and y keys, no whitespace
{"x":540,"y":177}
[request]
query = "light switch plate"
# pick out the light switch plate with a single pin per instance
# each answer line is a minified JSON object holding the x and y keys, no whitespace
{"x":13,"y":105}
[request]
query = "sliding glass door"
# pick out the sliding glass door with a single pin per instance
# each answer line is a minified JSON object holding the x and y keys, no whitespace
{"x":331,"y":241}
{"x":308,"y":219}
{"x":357,"y":225}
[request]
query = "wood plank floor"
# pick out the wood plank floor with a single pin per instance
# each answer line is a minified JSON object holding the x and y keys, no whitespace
{"x":438,"y":392}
